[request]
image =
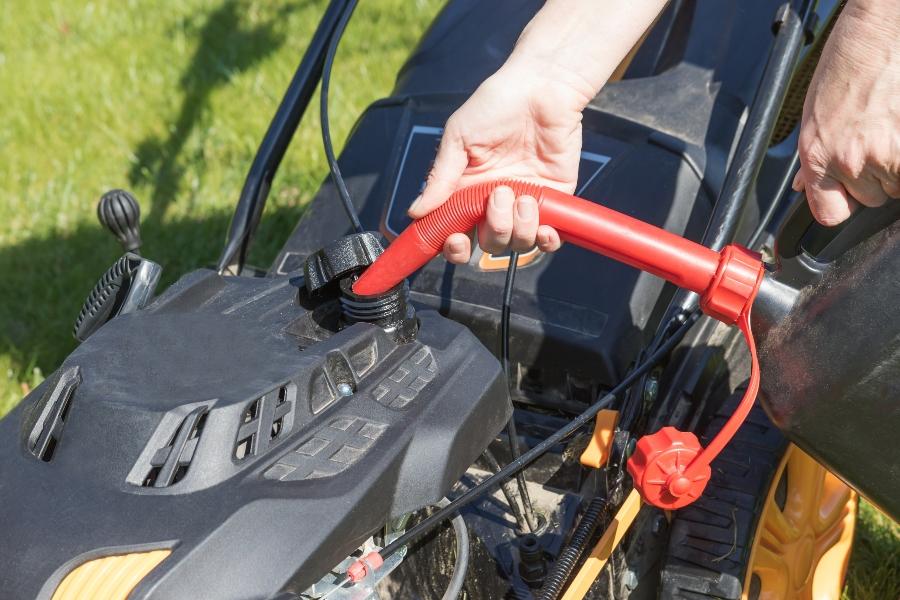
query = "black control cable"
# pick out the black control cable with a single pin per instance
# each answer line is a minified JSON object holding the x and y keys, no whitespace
{"x":511,"y":430}
{"x":336,"y":175}
{"x":509,"y":492}
{"x":783,"y":186}
{"x":461,"y":565}
{"x":686,"y":321}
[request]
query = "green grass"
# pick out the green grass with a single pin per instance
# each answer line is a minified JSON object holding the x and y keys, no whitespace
{"x":170,"y":99}
{"x":875,"y":564}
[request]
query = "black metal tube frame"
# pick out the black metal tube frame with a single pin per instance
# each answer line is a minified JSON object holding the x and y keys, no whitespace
{"x":791,"y":25}
{"x":278,"y":137}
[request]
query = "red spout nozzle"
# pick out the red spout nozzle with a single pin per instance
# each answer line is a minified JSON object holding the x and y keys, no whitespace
{"x":424,"y":239}
{"x":726,"y":280}
{"x":669,"y":468}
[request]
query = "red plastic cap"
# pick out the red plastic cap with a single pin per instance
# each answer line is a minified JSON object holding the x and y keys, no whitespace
{"x":659,"y":468}
{"x":364,"y":566}
{"x":735,"y":284}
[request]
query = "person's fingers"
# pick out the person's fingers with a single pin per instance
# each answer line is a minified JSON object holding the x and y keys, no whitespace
{"x":449,"y":165}
{"x":889,"y":183}
{"x":548,"y":239}
{"x":866,"y":190}
{"x":495,"y":231}
{"x":525,"y":224}
{"x":457,"y":248}
{"x":828,"y":200}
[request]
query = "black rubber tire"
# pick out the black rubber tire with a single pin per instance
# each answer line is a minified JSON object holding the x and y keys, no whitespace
{"x":710,"y":540}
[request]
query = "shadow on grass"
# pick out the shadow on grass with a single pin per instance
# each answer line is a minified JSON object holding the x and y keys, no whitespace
{"x":225,"y":48}
{"x":45,"y":280}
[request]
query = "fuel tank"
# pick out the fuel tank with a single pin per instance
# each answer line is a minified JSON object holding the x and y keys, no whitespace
{"x":831,"y":360}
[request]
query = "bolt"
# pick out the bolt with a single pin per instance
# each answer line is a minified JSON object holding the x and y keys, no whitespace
{"x":651,"y":388}
{"x":344,"y":389}
{"x":630,"y":580}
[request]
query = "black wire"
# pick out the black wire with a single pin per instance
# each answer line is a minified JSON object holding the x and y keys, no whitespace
{"x":509,"y":492}
{"x":505,"y":305}
{"x":783,"y":187}
{"x":423,"y":527}
{"x":511,"y":431}
{"x":323,"y":115}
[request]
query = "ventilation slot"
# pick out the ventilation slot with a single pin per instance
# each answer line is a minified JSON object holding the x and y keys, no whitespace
{"x":265,"y":421}
{"x":47,"y":430}
{"x":170,"y":464}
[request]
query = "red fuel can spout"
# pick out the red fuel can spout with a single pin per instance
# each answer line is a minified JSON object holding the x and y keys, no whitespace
{"x":580,"y":222}
{"x":669,"y":467}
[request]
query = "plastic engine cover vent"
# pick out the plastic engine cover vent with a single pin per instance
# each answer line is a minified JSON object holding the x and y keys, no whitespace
{"x":231,"y":422}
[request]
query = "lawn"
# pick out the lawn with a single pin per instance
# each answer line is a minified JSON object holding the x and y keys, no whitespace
{"x":170,"y":100}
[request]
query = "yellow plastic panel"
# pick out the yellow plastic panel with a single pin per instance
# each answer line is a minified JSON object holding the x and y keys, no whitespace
{"x":110,"y":577}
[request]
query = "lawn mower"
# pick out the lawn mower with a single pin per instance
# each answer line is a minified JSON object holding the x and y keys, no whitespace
{"x":363,"y":420}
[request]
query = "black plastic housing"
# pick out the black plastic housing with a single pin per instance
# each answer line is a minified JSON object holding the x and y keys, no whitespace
{"x":228,"y":423}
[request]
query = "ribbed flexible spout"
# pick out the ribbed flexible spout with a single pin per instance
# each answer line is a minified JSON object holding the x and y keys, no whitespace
{"x":424,"y":238}
{"x":580,"y":222}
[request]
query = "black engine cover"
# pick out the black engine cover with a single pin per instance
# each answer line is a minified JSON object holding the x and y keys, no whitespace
{"x":224,"y":424}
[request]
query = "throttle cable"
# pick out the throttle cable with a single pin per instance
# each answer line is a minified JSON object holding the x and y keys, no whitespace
{"x":336,"y":175}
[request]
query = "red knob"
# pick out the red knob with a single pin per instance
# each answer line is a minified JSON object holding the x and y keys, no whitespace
{"x":363,"y":567}
{"x":659,"y":467}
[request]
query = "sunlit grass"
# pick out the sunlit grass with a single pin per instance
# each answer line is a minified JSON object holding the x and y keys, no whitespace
{"x":875,"y":566}
{"x":168,"y":99}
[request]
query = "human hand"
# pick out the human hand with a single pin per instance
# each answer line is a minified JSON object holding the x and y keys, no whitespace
{"x":850,"y":132}
{"x":520,"y":125}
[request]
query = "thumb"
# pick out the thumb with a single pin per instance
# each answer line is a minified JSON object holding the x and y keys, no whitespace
{"x":798,"y":184}
{"x":449,"y":165}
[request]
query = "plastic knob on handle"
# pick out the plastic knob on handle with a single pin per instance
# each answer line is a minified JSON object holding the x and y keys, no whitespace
{"x":120,"y":212}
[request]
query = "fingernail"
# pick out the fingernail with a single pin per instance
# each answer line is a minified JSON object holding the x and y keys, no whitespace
{"x":503,"y":198}
{"x":456,"y":246}
{"x":525,"y":208}
{"x":415,"y":203}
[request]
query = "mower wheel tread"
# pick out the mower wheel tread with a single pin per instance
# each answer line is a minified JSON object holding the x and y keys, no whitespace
{"x":710,"y":540}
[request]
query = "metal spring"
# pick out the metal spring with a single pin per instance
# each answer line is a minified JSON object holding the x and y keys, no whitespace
{"x":568,"y":558}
